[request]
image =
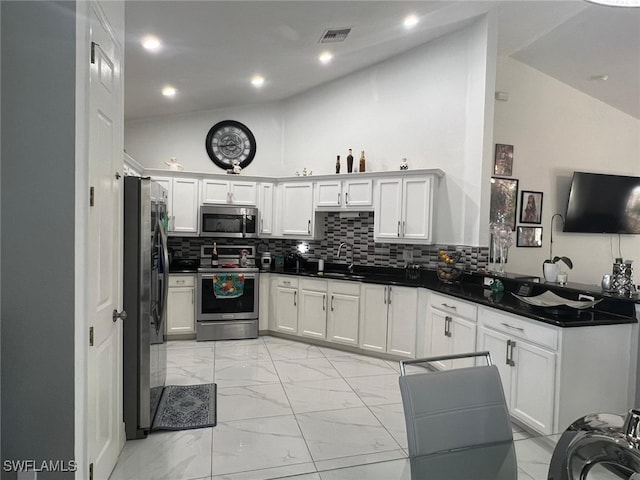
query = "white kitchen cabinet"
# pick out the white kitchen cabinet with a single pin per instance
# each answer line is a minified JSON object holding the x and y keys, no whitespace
{"x":343,"y":312}
{"x":338,"y":194}
{"x":312,"y":312}
{"x":182,"y":204}
{"x":264,"y":302}
{"x":286,"y":304}
{"x":265,"y":208}
{"x":228,"y":192}
{"x":296,"y":209}
{"x":388,"y":319}
{"x":181,"y":305}
{"x":404,"y":209}
{"x":451,"y":329}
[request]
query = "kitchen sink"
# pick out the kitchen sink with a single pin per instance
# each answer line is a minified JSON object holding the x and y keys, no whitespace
{"x":345,"y":275}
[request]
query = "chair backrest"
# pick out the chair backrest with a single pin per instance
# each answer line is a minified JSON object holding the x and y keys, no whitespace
{"x":452,"y":409}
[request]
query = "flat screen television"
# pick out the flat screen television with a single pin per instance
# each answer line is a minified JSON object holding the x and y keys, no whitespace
{"x":600,"y":203}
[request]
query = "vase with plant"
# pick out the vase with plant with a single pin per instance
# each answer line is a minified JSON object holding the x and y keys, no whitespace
{"x":550,"y":266}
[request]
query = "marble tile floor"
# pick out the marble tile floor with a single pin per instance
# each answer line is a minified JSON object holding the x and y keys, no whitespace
{"x":287,"y":409}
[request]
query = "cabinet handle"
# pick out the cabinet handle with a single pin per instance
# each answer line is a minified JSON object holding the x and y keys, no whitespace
{"x":309,"y":227}
{"x":295,"y":298}
{"x":404,"y":228}
{"x":180,"y":282}
{"x":262,"y":224}
{"x":447,"y":326}
{"x":389,"y":302}
{"x":193,"y":295}
{"x":346,"y":198}
{"x":512,"y":327}
{"x":324,"y":300}
{"x":384,"y":298}
{"x":510,"y":346}
{"x":339,"y":198}
{"x":398,"y":228}
{"x":452,"y":307}
{"x":332,"y":303}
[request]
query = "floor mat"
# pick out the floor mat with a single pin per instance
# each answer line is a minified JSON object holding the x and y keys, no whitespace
{"x":184,"y":407}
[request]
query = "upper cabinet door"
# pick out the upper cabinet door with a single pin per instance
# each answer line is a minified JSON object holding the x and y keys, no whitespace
{"x":297,"y":209}
{"x":358,"y":193}
{"x":265,"y":208}
{"x":185,"y":205}
{"x":242,"y":193}
{"x":215,"y":191}
{"x":416,"y":208}
{"x":329,"y":194}
{"x":388,"y":209}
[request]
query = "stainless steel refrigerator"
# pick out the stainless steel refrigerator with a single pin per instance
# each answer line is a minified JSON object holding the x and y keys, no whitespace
{"x":146,"y":280}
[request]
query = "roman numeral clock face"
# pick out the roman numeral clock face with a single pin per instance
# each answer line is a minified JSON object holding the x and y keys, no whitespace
{"x":230,"y":143}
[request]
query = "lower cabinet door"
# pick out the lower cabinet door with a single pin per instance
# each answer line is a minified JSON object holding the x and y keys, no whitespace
{"x":342,"y":322}
{"x":402,"y":318}
{"x":312,"y":314}
{"x":438,"y":342}
{"x":373,"y":317}
{"x":181,"y":310}
{"x":463,"y":340}
{"x":533,"y":387}
{"x":496,"y":343}
{"x":286,"y":310}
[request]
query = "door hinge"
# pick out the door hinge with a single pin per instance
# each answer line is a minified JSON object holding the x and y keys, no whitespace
{"x":91,"y":338}
{"x":91,"y":471}
{"x":93,"y":52}
{"x":92,"y":198}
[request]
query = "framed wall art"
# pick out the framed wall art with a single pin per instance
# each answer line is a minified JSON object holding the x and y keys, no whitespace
{"x":530,"y":207}
{"x":503,"y":163}
{"x":504,"y":200}
{"x":529,"y":237}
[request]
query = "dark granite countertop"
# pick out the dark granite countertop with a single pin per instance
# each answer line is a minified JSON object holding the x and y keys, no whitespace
{"x":611,"y":310}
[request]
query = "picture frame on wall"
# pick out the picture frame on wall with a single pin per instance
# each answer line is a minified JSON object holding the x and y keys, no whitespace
{"x":504,"y":201}
{"x":503,"y":162}
{"x":531,"y":207}
{"x":529,"y":236}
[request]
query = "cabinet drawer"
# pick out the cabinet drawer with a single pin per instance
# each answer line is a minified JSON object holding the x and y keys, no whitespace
{"x":344,"y":288}
{"x":182,"y":280}
{"x":453,"y":305}
{"x":531,"y":331}
{"x":313,"y":284}
{"x":287,"y":281}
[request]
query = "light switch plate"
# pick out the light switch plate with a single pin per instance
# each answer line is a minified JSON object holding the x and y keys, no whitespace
{"x":407,"y":255}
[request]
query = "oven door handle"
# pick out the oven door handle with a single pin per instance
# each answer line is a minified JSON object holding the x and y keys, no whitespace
{"x":244,"y":225}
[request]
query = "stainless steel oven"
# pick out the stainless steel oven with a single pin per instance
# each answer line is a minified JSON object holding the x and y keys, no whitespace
{"x":228,"y":222}
{"x":227,"y":295}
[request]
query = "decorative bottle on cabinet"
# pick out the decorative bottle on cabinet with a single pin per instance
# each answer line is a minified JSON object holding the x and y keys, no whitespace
{"x":349,"y":162}
{"x":338,"y":164}
{"x":214,"y":255}
{"x":362,"y":161}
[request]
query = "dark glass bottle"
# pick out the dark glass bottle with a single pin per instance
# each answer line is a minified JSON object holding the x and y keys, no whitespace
{"x":362,"y":161}
{"x":214,"y":255}
{"x":338,"y":164}
{"x":349,"y":162}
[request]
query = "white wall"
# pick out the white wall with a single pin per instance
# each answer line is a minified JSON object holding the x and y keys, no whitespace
{"x":555,"y":130}
{"x":153,"y":141}
{"x":427,"y":105}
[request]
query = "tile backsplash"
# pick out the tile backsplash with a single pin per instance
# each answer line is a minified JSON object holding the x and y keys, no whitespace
{"x":356,"y":231}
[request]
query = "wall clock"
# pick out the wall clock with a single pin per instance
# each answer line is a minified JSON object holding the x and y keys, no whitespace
{"x":230,"y":143}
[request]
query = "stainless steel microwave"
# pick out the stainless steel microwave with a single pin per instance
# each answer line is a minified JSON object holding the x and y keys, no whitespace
{"x":228,"y":221}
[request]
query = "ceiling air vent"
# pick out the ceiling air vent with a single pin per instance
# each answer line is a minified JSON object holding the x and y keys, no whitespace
{"x":333,"y":35}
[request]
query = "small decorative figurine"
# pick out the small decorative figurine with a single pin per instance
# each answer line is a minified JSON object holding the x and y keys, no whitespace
{"x":404,"y":165}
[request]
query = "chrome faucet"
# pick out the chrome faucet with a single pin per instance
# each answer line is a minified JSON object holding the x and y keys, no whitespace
{"x":602,"y":438}
{"x":344,"y":244}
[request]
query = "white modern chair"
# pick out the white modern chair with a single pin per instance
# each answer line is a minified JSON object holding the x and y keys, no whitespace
{"x":453,"y":409}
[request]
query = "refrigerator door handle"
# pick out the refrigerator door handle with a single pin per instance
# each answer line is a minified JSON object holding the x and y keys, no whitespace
{"x":162,"y":303}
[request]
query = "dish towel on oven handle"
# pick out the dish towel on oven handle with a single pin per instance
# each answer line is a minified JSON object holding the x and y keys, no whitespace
{"x":228,"y":285}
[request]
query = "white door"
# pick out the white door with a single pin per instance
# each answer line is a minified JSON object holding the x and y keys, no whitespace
{"x":496,"y":343}
{"x":265,"y":208}
{"x":242,"y":193}
{"x":105,"y":428}
{"x":185,"y":205}
{"x":329,"y":194}
{"x":463,"y":340}
{"x":358,"y":193}
{"x":438,"y":338}
{"x":342,"y":322}
{"x":286,"y":311}
{"x":297,"y":209}
{"x":215,"y":191}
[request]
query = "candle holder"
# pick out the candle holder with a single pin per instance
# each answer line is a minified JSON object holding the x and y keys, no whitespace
{"x":501,"y":241}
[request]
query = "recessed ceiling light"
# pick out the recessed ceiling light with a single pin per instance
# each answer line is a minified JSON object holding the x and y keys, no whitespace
{"x":169,"y":91}
{"x":410,"y":21}
{"x":325,"y":57}
{"x":599,"y":78}
{"x":151,"y":43}
{"x":257,"y":81}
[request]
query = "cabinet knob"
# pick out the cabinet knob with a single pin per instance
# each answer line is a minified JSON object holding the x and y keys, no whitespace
{"x":122,"y":315}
